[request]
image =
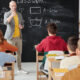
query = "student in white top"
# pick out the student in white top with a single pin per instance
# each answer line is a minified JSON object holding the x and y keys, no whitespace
{"x":74,"y":51}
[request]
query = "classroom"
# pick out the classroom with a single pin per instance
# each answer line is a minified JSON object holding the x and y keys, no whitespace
{"x":39,"y":39}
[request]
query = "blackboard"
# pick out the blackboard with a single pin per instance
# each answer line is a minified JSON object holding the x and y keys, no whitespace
{"x":37,"y":14}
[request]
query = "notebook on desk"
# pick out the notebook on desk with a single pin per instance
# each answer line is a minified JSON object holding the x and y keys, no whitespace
{"x":59,"y":57}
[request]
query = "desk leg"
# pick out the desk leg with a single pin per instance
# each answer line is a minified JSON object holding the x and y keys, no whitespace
{"x":49,"y":67}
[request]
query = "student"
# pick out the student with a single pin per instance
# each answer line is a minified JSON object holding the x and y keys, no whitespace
{"x":74,"y":74}
{"x":5,"y":46}
{"x":51,"y":42}
{"x":74,"y":59}
{"x":6,"y":58}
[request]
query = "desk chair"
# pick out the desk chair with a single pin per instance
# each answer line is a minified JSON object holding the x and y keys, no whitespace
{"x":40,"y":74}
{"x":74,"y":74}
{"x":8,"y":70}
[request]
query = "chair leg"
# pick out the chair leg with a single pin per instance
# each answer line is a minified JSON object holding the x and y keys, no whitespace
{"x":12,"y":71}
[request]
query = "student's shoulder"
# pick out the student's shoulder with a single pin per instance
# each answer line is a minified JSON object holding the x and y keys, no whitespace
{"x":44,"y":40}
{"x":75,"y":57}
{"x":5,"y":42}
{"x":67,"y":59}
{"x":61,"y":39}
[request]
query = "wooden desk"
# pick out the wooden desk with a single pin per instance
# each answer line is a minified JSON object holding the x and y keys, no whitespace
{"x":57,"y":74}
{"x":50,"y":61}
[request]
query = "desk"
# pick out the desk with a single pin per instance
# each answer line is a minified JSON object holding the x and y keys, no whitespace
{"x":57,"y":73}
{"x":50,"y":61}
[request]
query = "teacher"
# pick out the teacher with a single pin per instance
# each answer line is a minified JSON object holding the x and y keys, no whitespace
{"x":14,"y":22}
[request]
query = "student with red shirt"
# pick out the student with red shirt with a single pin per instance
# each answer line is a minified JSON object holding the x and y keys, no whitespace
{"x":51,"y":42}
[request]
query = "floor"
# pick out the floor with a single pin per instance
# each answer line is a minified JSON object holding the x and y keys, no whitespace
{"x":29,"y":67}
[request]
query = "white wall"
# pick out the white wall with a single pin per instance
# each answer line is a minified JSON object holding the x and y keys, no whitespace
{"x":79,"y":18}
{"x":79,"y":10}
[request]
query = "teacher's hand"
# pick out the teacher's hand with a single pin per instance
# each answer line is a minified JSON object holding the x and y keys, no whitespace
{"x":20,"y":26}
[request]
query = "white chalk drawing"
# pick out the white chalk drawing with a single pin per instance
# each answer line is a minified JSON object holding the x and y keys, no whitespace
{"x":27,"y":1}
{"x":3,"y":10}
{"x":55,"y":21}
{"x":51,"y":21}
{"x":35,"y":10}
{"x":35,"y":22}
{"x":46,"y":21}
{"x":34,"y":1}
{"x":30,"y":1}
{"x":44,"y":10}
{"x":52,"y":10}
{"x":20,"y":1}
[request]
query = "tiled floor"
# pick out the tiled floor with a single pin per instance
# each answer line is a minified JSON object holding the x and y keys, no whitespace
{"x":29,"y":67}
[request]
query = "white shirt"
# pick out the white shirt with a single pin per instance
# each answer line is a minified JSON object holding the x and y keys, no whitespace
{"x":70,"y":61}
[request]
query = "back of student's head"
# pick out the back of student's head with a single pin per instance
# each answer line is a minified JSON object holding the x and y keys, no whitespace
{"x":52,"y":28}
{"x":72,"y":43}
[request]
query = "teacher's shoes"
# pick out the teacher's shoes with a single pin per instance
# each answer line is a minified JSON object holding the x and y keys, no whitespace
{"x":21,"y":72}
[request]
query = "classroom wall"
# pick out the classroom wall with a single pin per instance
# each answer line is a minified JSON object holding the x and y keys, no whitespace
{"x":79,"y":18}
{"x":37,"y":14}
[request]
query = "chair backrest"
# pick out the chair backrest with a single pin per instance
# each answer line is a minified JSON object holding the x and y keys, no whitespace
{"x":53,"y":52}
{"x":72,"y":75}
{"x":56,"y":52}
{"x":39,"y":57}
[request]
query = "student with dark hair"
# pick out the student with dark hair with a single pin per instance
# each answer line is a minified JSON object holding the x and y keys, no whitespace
{"x":75,"y":73}
{"x":51,"y":42}
{"x":72,"y":45}
{"x":74,"y":59}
